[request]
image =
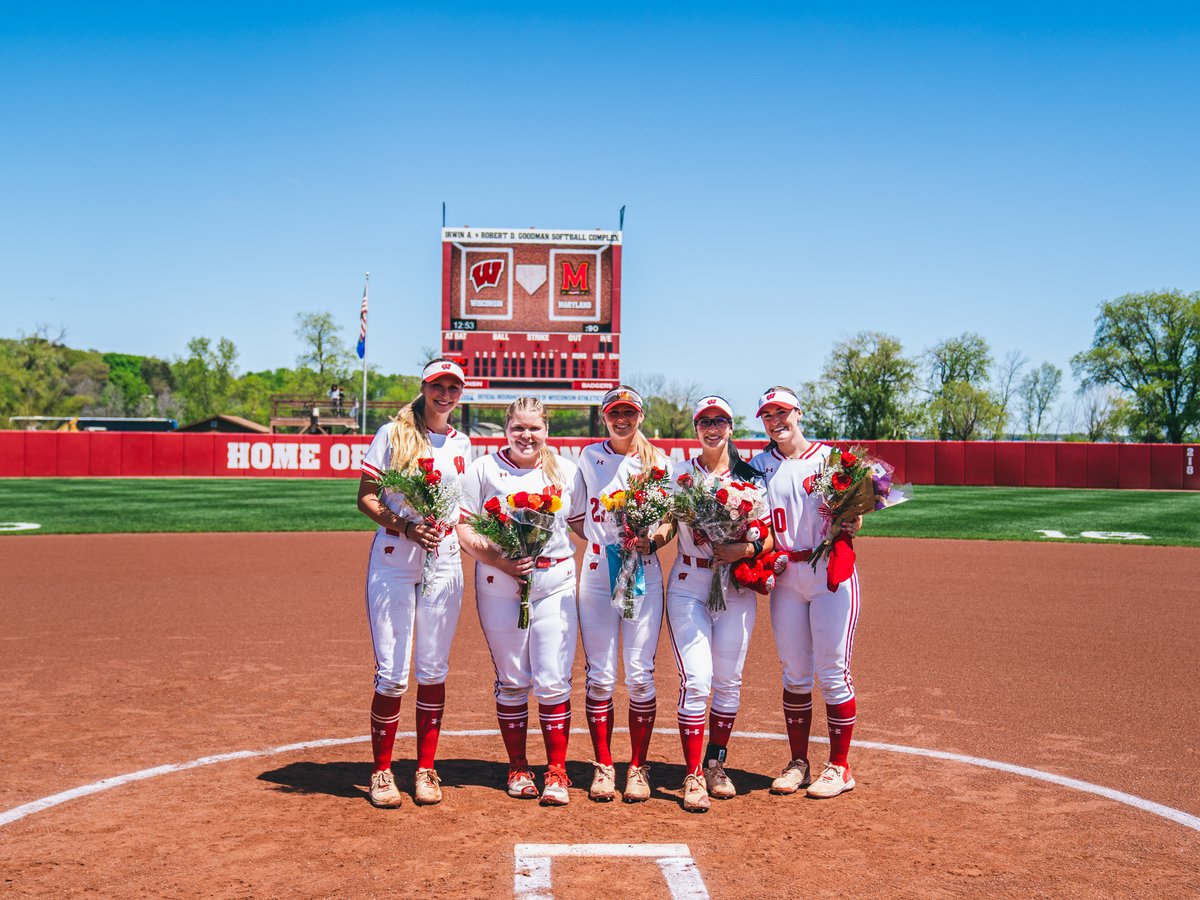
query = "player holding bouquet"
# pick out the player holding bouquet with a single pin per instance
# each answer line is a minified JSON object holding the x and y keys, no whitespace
{"x":413,"y":611}
{"x":604,"y":468}
{"x":518,"y":501}
{"x":813,"y":619}
{"x":710,"y":644}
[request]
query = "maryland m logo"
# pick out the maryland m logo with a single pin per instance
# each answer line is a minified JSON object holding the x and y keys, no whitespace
{"x":487,"y":273}
{"x":574,"y":279}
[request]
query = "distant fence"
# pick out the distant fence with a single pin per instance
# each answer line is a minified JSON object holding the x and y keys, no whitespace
{"x":1016,"y":463}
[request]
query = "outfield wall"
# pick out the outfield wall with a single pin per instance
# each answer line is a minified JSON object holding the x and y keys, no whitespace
{"x":1015,"y":463}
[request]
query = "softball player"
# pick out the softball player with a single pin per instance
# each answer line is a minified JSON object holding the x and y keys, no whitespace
{"x":403,"y":624}
{"x":814,"y":628}
{"x":710,"y":651}
{"x":537,"y":658}
{"x":603,"y":467}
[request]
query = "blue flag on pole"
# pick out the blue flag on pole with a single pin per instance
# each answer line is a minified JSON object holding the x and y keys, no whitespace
{"x":362,"y":327}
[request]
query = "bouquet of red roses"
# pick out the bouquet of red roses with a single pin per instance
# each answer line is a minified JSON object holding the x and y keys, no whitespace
{"x":520,"y":527}
{"x":719,"y":510}
{"x":852,"y":484}
{"x":431,"y":498}
{"x":638,"y":509}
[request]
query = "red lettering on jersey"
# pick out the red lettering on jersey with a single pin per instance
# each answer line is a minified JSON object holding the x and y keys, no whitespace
{"x":683,"y":576}
{"x":779,"y":519}
{"x":387,"y":550}
{"x":594,"y":565}
{"x":491,"y":578}
{"x":460,"y":465}
{"x":487,"y":273}
{"x":597,"y":514}
{"x":574,"y":280}
{"x":808,"y":483}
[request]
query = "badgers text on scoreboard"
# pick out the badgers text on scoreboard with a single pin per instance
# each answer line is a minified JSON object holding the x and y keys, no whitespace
{"x":526,"y":309}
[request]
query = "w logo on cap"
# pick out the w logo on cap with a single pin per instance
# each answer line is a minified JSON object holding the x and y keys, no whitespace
{"x":445,"y":367}
{"x":769,"y":395}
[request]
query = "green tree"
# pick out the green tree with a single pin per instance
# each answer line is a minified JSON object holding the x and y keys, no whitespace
{"x":668,"y":405}
{"x":871,"y":382}
{"x":206,"y":378}
{"x":960,"y":406}
{"x":820,"y":418}
{"x":1148,"y":345}
{"x":125,"y":375}
{"x":323,"y":353}
{"x":1037,"y":392}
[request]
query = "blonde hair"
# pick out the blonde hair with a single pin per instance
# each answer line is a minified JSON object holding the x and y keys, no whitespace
{"x":646,"y":452}
{"x":547,"y":457}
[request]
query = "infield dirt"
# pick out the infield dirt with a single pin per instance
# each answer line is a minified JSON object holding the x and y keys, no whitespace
{"x":118,"y":653}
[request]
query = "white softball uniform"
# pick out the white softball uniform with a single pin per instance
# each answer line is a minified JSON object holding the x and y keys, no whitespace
{"x":709,"y":653}
{"x":540,"y":657}
{"x":601,"y":471}
{"x":814,"y":628}
{"x":404,"y":628}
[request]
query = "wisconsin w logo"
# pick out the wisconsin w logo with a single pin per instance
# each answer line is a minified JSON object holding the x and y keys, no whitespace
{"x":574,"y":279}
{"x":487,"y":273}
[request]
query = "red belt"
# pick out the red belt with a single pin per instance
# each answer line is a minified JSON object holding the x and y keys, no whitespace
{"x":698,"y":561}
{"x":392,"y":532}
{"x":799,"y":555}
{"x":596,"y":549}
{"x":545,"y":562}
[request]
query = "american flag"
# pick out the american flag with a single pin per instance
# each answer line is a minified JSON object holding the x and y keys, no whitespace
{"x":362,"y":327}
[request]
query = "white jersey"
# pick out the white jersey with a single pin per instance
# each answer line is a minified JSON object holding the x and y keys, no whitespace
{"x":450,"y":454}
{"x":798,"y":516}
{"x":603,"y":470}
{"x":496,"y":475}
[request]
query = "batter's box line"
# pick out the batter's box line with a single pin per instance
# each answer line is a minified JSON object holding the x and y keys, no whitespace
{"x":7,"y":817}
{"x":532,"y":863}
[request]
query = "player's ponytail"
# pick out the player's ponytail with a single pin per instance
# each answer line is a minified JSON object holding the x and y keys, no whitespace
{"x":409,"y":438}
{"x":646,"y":452}
{"x":771,"y":445}
{"x":547,"y":457}
{"x":739,"y":469}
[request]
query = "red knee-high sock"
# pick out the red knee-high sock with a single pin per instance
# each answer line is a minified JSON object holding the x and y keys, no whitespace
{"x":600,"y":721}
{"x":691,"y":734}
{"x":641,"y":727}
{"x":514,"y":724}
{"x":841,"y":729}
{"x":385,"y":713}
{"x":555,"y":719}
{"x":720,"y":726}
{"x":797,"y":714}
{"x":431,"y":703}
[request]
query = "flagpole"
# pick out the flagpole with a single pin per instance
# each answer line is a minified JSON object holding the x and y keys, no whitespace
{"x":366,"y":284}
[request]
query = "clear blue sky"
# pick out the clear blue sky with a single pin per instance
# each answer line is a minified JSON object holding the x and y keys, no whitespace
{"x":793,"y":172}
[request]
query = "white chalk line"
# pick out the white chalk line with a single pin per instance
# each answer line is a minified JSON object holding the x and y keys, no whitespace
{"x":1175,"y":815}
{"x":532,"y":867}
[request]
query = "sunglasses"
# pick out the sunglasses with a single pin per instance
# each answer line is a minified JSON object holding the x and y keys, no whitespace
{"x":717,"y":422}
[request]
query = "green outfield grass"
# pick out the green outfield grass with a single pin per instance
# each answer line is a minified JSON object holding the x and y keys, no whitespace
{"x":103,"y":505}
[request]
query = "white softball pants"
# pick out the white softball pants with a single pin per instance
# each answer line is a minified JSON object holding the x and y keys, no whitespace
{"x":407,"y":632}
{"x":538,"y":658}
{"x":602,"y":626}
{"x":814,"y":631}
{"x":709,"y":654}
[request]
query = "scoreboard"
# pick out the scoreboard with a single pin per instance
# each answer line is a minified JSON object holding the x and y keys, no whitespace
{"x":527,"y":310}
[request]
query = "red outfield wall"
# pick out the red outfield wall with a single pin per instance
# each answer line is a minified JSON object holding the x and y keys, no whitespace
{"x":1016,"y":463}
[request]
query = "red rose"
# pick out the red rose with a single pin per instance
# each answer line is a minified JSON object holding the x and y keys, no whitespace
{"x":425,"y":463}
{"x":521,"y":500}
{"x":503,"y":519}
{"x":657,"y":473}
{"x":841,"y":481}
{"x":553,"y":491}
{"x":639,"y":496}
{"x":433,"y":477}
{"x":492,"y":507}
{"x":722,"y":496}
{"x":849,"y":459}
{"x":685,"y":480}
{"x":745,"y":506}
